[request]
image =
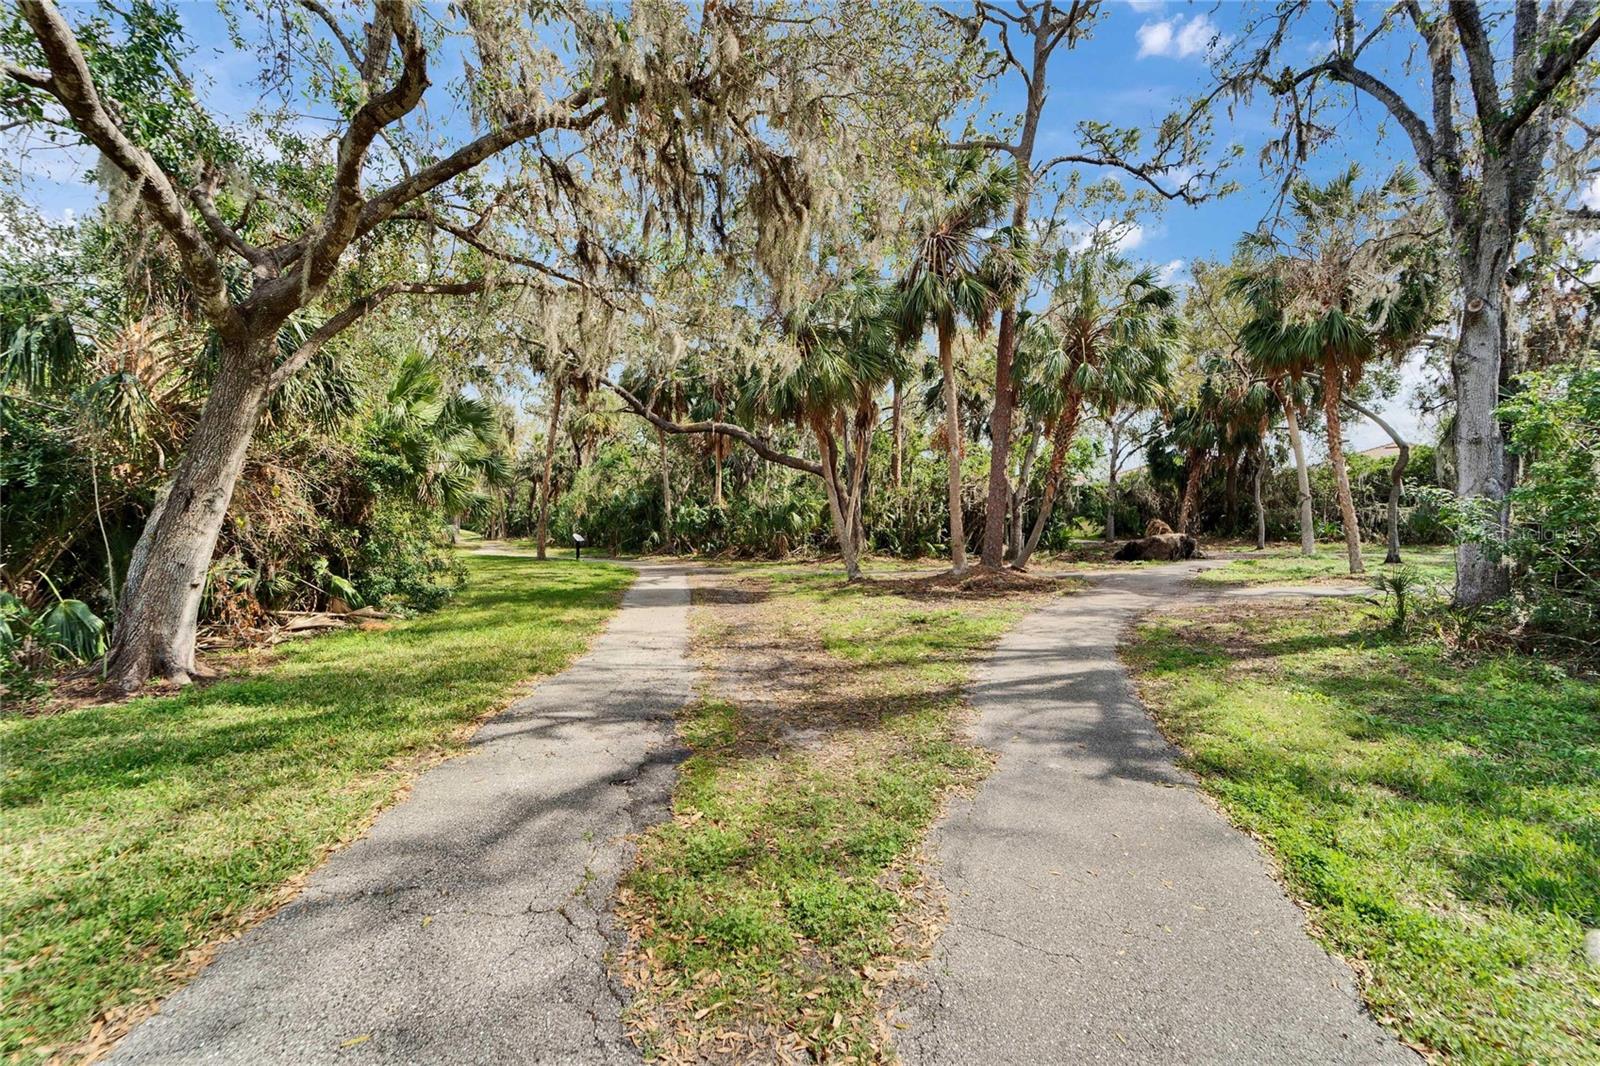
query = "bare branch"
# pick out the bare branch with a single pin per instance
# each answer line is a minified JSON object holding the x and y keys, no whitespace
{"x":988,"y":144}
{"x":359,"y":308}
{"x":321,"y":11}
{"x":469,"y":155}
{"x":340,"y":222}
{"x":1480,"y":65}
{"x":37,"y":79}
{"x":1410,"y":121}
{"x":203,"y":198}
{"x":470,"y":236}
{"x":73,"y":86}
{"x":1552,"y":71}
{"x":756,"y":444}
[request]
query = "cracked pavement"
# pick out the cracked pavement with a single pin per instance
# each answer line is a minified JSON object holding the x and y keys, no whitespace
{"x":471,"y":923}
{"x":1100,"y":909}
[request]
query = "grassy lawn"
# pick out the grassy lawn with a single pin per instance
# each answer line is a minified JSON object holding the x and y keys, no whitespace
{"x":1285,"y":564}
{"x":772,"y":909}
{"x":1441,"y":818}
{"x":134,"y":835}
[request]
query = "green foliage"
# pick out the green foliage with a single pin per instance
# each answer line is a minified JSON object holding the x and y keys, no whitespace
{"x":1554,"y":545}
{"x":1438,"y":816}
{"x":1401,"y":586}
{"x":774,"y":894}
{"x":73,"y":628}
{"x":136,"y":832}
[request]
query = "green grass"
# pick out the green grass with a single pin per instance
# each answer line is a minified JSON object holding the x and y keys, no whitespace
{"x":1285,"y":564}
{"x":133,"y":834}
{"x":1441,"y":818}
{"x":782,"y":893}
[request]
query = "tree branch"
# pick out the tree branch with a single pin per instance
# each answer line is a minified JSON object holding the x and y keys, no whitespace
{"x":470,"y":236}
{"x":204,"y":201}
{"x":1553,"y":69}
{"x":1480,"y":66}
{"x":1137,"y":170}
{"x":358,"y":309}
{"x":756,"y":444}
{"x":381,"y":206}
{"x":321,"y":11}
{"x":36,"y":79}
{"x":72,"y":85}
{"x":1352,"y":75}
{"x":985,"y":143}
{"x":345,"y":206}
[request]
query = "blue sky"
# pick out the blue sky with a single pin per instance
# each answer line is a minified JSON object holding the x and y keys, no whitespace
{"x":1144,"y":59}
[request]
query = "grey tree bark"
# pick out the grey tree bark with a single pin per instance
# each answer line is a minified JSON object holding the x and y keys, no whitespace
{"x":1331,"y":387}
{"x":1485,"y":179}
{"x":549,"y":464}
{"x":160,"y":608}
{"x":154,"y":630}
{"x":666,"y":492}
{"x":952,"y":429}
{"x":1066,"y":429}
{"x":1397,"y":474}
{"x":1255,"y":492}
{"x":1019,"y":492}
{"x":1302,"y":477}
{"x":1111,"y":480}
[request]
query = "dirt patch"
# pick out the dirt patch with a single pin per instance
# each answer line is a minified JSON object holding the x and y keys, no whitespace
{"x":830,"y":715}
{"x":981,"y":583}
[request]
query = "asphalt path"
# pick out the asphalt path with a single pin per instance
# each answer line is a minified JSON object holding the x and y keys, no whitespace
{"x":470,"y":924}
{"x":1101,"y":910}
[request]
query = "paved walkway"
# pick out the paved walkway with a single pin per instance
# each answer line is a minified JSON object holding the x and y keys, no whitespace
{"x":1101,"y":911}
{"x":469,"y":925}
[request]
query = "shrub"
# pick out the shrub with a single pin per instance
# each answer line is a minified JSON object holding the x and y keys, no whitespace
{"x":1554,"y":422}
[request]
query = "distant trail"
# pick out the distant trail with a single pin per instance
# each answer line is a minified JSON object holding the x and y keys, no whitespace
{"x":470,"y":924}
{"x":1100,"y":910}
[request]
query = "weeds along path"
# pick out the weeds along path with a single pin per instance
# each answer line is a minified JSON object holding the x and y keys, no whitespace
{"x":1101,"y":911}
{"x":471,"y":923}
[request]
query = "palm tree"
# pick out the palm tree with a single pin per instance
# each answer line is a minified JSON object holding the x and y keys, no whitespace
{"x":1358,"y":277}
{"x":848,"y":352}
{"x":1107,"y":338}
{"x":1243,"y":406}
{"x":452,"y":445}
{"x":1283,"y":366}
{"x":1120,"y":398}
{"x":961,"y":268}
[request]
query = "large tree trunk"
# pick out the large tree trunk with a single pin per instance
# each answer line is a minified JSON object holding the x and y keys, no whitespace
{"x":155,"y":626}
{"x":1111,"y":482}
{"x":1255,"y":493}
{"x":994,"y":516}
{"x":1019,"y":492}
{"x":1481,"y":472}
{"x":716,"y":459}
{"x":1191,"y":491}
{"x":838,"y":508}
{"x":549,"y":464}
{"x":952,"y":429}
{"x":666,"y":493}
{"x":1061,"y":442}
{"x":1331,"y":388}
{"x":897,"y":431}
{"x":1230,"y":494}
{"x":1397,"y":474}
{"x":1302,"y":477}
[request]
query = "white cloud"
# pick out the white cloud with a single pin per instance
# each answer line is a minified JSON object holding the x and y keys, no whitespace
{"x":1589,"y":195}
{"x":1171,"y":271}
{"x":1177,"y":38}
